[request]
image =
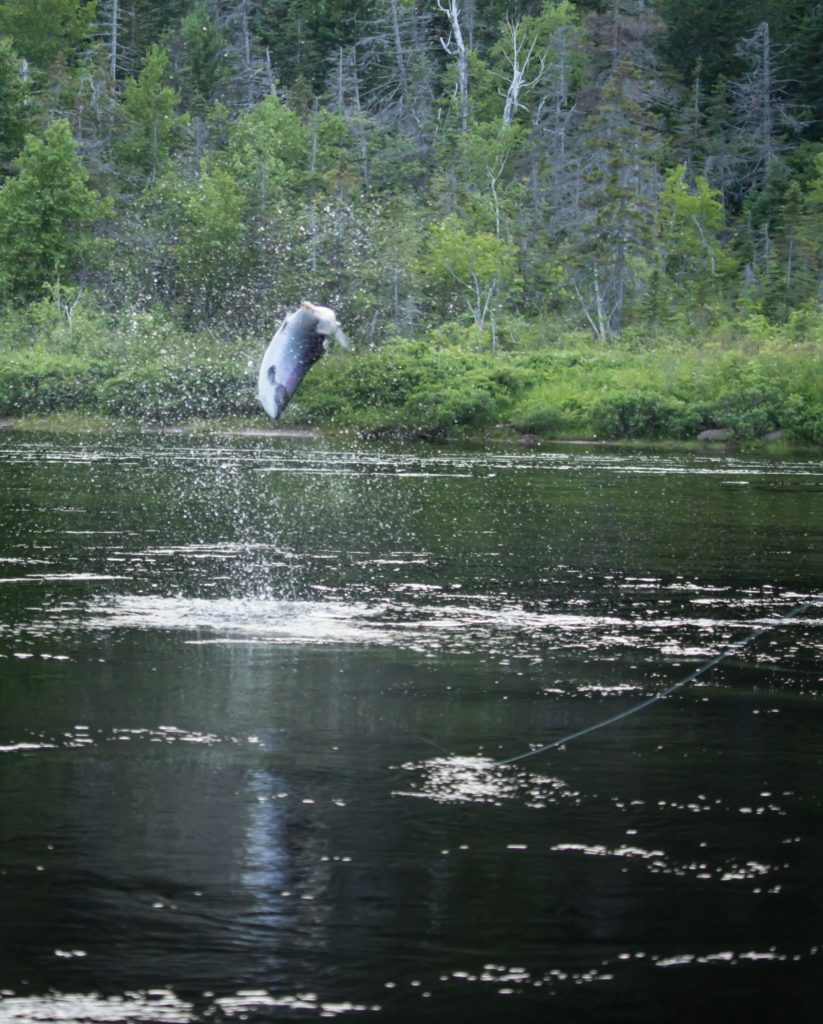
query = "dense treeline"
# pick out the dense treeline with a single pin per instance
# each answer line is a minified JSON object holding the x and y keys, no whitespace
{"x":476,"y":174}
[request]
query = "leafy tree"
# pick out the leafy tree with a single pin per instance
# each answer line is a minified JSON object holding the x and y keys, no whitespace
{"x":152,"y":128}
{"x":43,"y":30}
{"x":46,"y":214}
{"x":472,"y":270}
{"x":388,"y":279}
{"x":267,"y":153}
{"x":14,"y":104}
{"x":527,"y":53}
{"x":212,"y":258}
{"x":203,"y":65}
{"x":485,"y":188}
{"x":693,"y":258}
{"x":614,"y":235}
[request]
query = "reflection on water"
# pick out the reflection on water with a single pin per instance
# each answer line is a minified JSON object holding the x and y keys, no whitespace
{"x":254,"y":695}
{"x":480,"y":780}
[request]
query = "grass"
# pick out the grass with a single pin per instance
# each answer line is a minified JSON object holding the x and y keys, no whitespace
{"x":139,"y":370}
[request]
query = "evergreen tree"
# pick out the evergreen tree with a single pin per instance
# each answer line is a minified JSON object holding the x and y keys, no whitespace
{"x":301,"y":36}
{"x":202,"y":65}
{"x":791,"y":278}
{"x":44,"y":31}
{"x":609,"y":245}
{"x":693,"y":260}
{"x":722,"y":157}
{"x":804,"y":68}
{"x":46,"y":214}
{"x":14,"y":104}
{"x":152,"y":128}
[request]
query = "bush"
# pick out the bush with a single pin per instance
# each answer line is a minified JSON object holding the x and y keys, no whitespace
{"x":142,"y":366}
{"x":542,"y":411}
{"x":167,"y":393}
{"x":649,"y":415}
{"x":44,"y":383}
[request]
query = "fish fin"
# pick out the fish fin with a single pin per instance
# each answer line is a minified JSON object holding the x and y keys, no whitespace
{"x":343,"y":340}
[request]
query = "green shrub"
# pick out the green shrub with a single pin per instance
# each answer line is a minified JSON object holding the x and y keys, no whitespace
{"x":542,"y":410}
{"x":44,"y":383}
{"x":642,"y":415}
{"x":145,"y":366}
{"x":167,"y":393}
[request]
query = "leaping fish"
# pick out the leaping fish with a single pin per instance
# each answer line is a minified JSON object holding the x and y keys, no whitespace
{"x":299,"y":342}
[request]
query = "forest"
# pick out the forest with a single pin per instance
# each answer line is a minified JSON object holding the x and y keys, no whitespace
{"x":592,"y":218}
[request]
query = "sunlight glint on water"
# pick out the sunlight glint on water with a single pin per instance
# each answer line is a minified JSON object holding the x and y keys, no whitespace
{"x":253,"y":694}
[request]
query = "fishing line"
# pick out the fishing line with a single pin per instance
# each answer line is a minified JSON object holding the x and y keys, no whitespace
{"x":735,"y":648}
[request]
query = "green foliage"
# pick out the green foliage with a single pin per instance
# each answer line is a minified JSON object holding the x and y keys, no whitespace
{"x":165,"y":394}
{"x":145,"y":368}
{"x":472,"y":270}
{"x":543,"y":411}
{"x":210,"y":253}
{"x":14,"y":104}
{"x":633,"y":414}
{"x":408,"y":389}
{"x":267,"y":152}
{"x":203,"y":56}
{"x":47,"y":382}
{"x":152,"y":128}
{"x":692,"y":222}
{"x":575,"y":189}
{"x":44,"y":31}
{"x":45,"y":215}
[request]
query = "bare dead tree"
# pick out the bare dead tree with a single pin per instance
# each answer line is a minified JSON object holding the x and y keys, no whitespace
{"x":111,"y":19}
{"x":762,"y":114}
{"x":455,"y":45}
{"x":522,"y":57}
{"x":394,"y":67}
{"x":345,"y":93}
{"x":254,"y":76}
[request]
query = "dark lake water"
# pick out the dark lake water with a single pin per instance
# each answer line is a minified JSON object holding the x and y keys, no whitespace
{"x":252,"y":696}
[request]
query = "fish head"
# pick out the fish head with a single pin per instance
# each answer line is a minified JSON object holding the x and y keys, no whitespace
{"x":328,"y":324}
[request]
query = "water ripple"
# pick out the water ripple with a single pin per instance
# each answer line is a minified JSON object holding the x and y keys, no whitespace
{"x":481,"y":780}
{"x":457,"y":623}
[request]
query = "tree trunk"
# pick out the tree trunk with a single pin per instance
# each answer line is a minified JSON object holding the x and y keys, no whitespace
{"x":455,"y":44}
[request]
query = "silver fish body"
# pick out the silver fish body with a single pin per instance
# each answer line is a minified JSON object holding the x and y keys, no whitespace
{"x":300,"y":341}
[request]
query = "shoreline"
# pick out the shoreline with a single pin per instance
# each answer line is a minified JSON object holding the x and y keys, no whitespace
{"x":99,"y":425}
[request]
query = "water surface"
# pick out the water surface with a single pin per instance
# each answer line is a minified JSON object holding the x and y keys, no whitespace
{"x":253,"y":693}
